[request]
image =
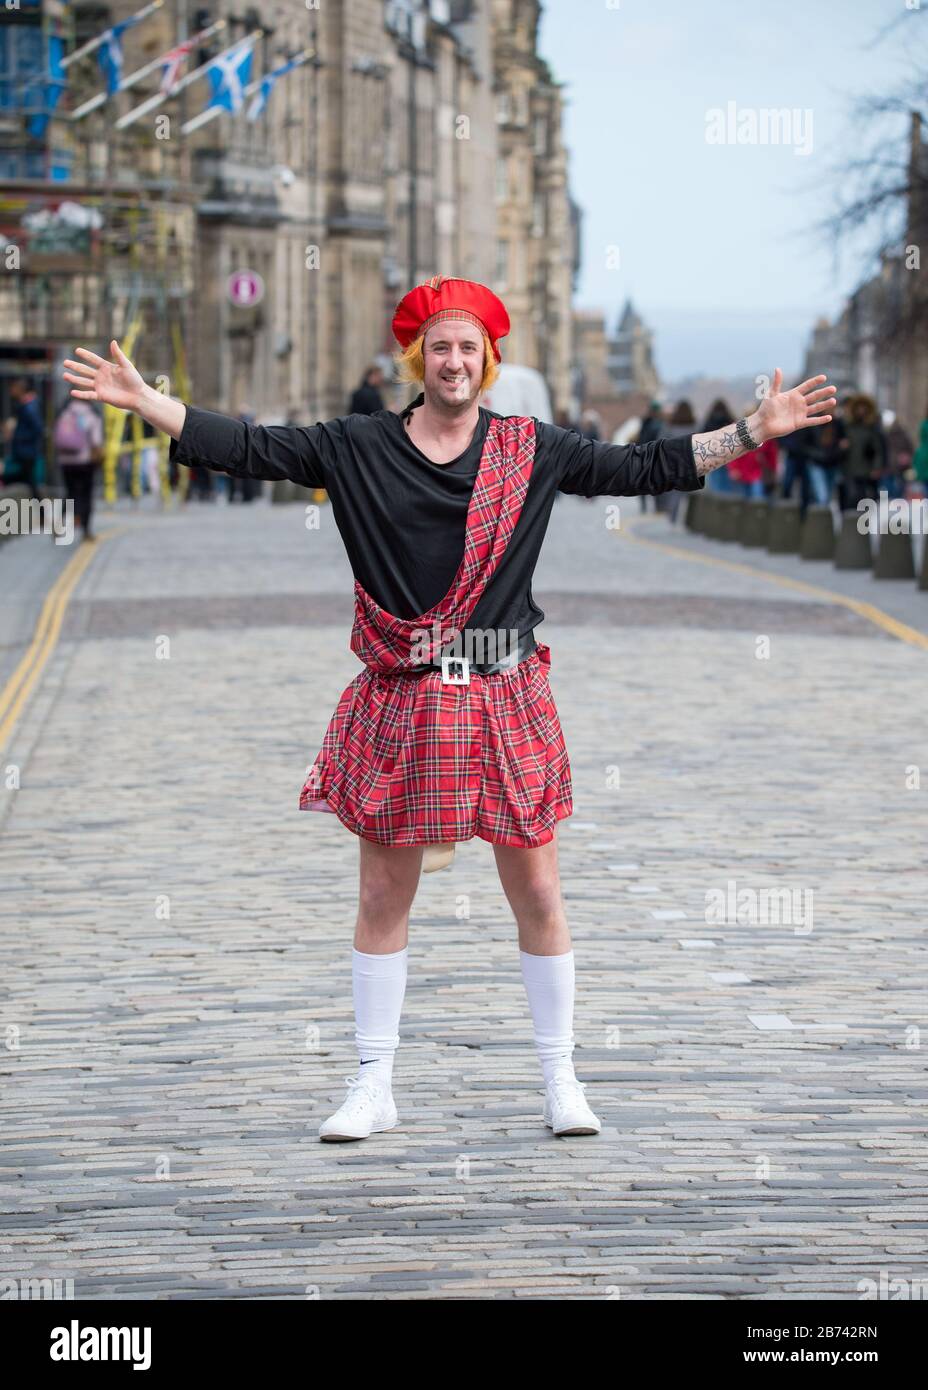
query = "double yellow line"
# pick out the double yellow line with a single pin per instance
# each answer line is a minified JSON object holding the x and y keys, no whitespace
{"x":23,"y":680}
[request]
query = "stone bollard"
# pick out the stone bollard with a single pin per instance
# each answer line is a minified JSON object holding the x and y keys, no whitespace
{"x":817,"y":534}
{"x":708,"y":513}
{"x":894,"y":557}
{"x":755,"y":521}
{"x":923,"y":577}
{"x":783,"y":528}
{"x":852,"y":549}
{"x":694,"y":511}
{"x":729,"y":524}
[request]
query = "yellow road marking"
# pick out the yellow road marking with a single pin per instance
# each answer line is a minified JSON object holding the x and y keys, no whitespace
{"x":23,"y":680}
{"x":865,"y":610}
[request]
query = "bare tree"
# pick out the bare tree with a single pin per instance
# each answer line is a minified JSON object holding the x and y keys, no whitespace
{"x":881,"y":196}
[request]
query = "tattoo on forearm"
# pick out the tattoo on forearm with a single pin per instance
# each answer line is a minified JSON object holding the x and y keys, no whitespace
{"x":715,"y":448}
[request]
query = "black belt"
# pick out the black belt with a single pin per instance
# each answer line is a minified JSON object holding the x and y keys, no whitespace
{"x":525,"y":648}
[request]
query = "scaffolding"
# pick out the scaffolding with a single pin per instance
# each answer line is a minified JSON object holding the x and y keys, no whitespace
{"x":99,"y":226}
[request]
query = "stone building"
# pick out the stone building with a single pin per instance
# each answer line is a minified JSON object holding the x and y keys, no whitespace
{"x":631,"y":362}
{"x":591,"y":356}
{"x":420,"y":137}
{"x":912,"y":404}
{"x":879,"y":342}
{"x":537,"y":244}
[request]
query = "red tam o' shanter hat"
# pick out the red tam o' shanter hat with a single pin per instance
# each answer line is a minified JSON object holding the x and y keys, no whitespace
{"x":443,"y":298}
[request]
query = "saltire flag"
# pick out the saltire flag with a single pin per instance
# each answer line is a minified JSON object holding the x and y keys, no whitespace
{"x":260,"y":99}
{"x":109,"y":53}
{"x":173,"y":62}
{"x":229,"y":74}
{"x":48,"y":92}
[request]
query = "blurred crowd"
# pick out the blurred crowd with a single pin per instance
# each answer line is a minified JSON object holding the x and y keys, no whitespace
{"x":859,"y":454}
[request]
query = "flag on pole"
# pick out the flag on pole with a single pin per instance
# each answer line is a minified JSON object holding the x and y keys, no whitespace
{"x":228,"y":75}
{"x":109,"y":54}
{"x":260,"y":99}
{"x":173,"y":62}
{"x":51,"y":89}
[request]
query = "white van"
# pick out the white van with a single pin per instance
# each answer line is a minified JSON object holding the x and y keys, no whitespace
{"x":519,"y":391}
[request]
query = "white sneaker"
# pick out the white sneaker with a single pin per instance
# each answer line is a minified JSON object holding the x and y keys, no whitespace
{"x":566,"y":1110}
{"x":368,"y":1109}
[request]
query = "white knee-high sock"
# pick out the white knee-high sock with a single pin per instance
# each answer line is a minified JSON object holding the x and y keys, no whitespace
{"x":549,"y":984}
{"x":379,"y":987}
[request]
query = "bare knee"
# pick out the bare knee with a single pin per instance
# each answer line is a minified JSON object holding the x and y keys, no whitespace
{"x":538,"y":903}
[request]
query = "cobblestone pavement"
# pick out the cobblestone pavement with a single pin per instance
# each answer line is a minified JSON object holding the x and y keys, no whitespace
{"x":177,"y":939}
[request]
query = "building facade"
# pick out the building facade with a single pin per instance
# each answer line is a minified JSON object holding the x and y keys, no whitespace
{"x":275,"y":250}
{"x":631,"y":357}
{"x":537,"y":242}
{"x":878,"y":344}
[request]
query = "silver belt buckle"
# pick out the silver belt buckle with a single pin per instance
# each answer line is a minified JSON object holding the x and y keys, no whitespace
{"x":455,"y":670}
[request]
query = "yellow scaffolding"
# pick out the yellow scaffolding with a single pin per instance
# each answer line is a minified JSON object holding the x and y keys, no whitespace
{"x":115,"y":443}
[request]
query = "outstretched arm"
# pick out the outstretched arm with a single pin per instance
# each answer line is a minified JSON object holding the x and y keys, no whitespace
{"x":779,"y":413}
{"x":220,"y":442}
{"x":119,"y":383}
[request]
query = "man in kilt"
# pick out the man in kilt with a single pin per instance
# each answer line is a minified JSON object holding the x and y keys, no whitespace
{"x":450,"y":730}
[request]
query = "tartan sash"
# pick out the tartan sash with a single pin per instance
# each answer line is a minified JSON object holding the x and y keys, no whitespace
{"x":386,"y":643}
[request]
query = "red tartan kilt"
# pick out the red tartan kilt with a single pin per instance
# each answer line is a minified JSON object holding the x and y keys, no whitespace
{"x":407,"y":760}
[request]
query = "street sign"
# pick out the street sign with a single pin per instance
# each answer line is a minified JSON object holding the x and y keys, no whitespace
{"x":245,"y":288}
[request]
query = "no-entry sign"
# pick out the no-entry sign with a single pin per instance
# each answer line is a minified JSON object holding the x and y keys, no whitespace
{"x":246,"y":287}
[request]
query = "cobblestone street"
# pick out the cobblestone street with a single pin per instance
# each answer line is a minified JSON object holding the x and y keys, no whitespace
{"x":177,"y":939}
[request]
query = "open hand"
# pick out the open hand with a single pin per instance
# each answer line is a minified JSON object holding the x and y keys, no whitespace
{"x":781,"y":412}
{"x":115,"y":383}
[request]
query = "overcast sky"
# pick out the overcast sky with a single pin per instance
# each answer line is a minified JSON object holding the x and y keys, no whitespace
{"x":712,"y":238}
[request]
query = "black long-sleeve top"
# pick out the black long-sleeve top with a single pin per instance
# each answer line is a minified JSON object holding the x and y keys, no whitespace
{"x":402,"y":517}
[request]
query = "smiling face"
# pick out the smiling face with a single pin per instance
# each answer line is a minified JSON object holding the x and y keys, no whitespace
{"x":453,"y":353}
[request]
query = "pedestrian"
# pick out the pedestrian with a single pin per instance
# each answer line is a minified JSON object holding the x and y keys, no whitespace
{"x":443,"y":509}
{"x":748,"y":473}
{"x":681,"y":420}
{"x":823,"y":456}
{"x":78,"y":440}
{"x":247,"y":487}
{"x":652,"y":427}
{"x":718,"y":416}
{"x":899,"y":453}
{"x":150,"y":461}
{"x":368,"y":397}
{"x":920,"y":457}
{"x":27,"y":447}
{"x":201,"y":483}
{"x":863,"y":452}
{"x":796,"y":467}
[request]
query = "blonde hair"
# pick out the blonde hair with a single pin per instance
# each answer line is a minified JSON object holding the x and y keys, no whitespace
{"x":410,"y":364}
